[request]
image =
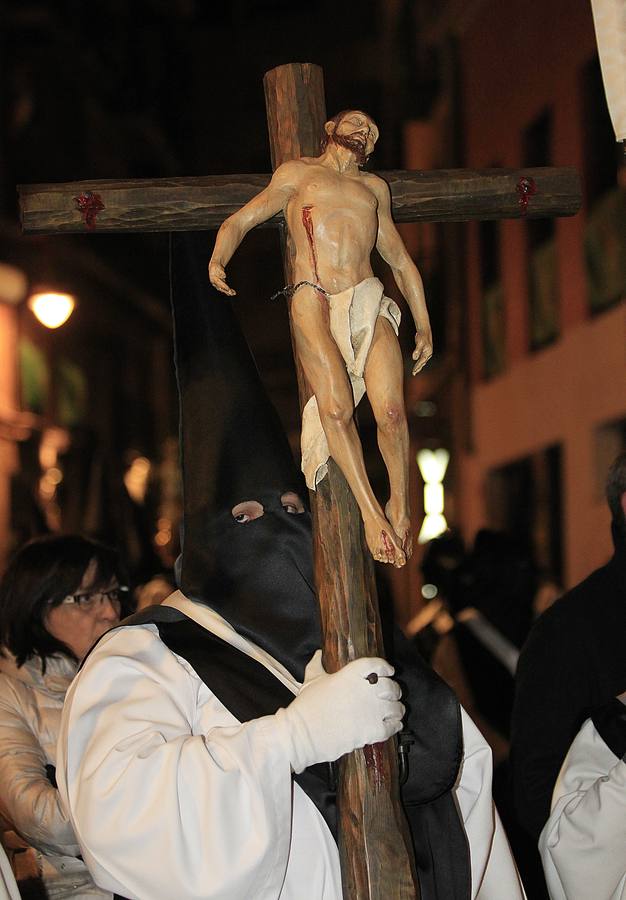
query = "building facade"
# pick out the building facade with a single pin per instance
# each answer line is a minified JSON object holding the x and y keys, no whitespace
{"x":547,"y":321}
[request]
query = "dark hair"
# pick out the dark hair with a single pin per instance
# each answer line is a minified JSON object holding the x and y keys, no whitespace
{"x":615,"y":489}
{"x":40,"y":575}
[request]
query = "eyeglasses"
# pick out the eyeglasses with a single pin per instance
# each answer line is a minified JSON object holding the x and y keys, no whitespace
{"x":91,"y":599}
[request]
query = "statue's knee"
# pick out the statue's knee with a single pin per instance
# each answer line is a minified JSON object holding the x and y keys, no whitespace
{"x":337,"y":417}
{"x":392,"y":418}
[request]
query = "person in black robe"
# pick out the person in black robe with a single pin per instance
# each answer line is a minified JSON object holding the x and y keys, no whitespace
{"x":572,"y":663}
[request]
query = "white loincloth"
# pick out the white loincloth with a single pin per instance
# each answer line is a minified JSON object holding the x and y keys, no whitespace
{"x":353,"y":315}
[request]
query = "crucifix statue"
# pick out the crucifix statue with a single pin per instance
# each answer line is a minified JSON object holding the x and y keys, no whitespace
{"x":328,"y":204}
{"x":341,"y":320}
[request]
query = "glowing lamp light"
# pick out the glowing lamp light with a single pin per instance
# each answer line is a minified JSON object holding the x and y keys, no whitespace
{"x":51,"y":308}
{"x":136,"y":478}
{"x":432,"y":465}
{"x":433,"y":499}
{"x":433,"y":525}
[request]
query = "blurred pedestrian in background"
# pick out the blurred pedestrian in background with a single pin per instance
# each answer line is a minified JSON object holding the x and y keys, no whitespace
{"x":490,"y":600}
{"x":58,"y":596}
{"x":441,"y":561}
{"x":572,"y":664}
{"x":490,"y":596}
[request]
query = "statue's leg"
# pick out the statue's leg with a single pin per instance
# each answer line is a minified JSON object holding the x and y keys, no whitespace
{"x":384,"y":382}
{"x":326,"y":372}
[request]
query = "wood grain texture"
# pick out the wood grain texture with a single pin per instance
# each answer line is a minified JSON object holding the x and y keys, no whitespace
{"x":159,"y":204}
{"x":374,"y":843}
{"x":183,"y":204}
{"x":298,"y":88}
{"x":459,"y":195}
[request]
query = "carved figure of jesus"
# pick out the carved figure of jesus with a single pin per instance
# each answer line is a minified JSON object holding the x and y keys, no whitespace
{"x":344,"y":328}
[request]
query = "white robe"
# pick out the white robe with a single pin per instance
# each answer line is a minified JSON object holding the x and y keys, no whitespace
{"x":583,"y":843}
{"x":170,"y":796}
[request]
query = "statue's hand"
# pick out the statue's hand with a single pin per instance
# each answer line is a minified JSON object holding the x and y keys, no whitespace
{"x":217,"y":277}
{"x":423,"y":349}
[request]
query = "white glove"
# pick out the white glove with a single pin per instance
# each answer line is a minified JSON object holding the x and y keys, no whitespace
{"x":335,"y":714}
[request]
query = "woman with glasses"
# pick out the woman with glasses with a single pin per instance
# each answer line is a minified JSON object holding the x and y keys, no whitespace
{"x":57,"y":597}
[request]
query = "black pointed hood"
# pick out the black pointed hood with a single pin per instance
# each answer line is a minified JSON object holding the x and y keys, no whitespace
{"x":257,"y":575}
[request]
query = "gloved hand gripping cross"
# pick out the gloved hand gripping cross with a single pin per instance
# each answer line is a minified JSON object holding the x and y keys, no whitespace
{"x":336,"y":713}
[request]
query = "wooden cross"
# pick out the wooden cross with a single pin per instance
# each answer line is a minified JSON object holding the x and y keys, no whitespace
{"x":375,"y":848}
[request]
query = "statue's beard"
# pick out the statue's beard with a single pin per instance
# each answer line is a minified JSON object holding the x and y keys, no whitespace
{"x":355,"y":146}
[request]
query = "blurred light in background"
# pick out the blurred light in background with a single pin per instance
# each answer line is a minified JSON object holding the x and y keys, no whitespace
{"x":162,"y":538}
{"x":54,"y":443}
{"x":136,"y":478}
{"x":52,"y":309}
{"x":425,"y":409}
{"x":164,"y":534}
{"x":432,"y":465}
{"x":13,"y":284}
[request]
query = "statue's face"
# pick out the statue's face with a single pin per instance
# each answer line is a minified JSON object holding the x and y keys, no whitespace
{"x":357,"y":131}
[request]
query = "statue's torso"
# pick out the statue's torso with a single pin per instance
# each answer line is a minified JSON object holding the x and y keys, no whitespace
{"x":333,"y":221}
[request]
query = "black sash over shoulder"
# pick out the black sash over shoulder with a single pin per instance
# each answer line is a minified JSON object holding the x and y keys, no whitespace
{"x":244,"y":686}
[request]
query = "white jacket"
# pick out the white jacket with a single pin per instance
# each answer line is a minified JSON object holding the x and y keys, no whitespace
{"x":35,"y":830}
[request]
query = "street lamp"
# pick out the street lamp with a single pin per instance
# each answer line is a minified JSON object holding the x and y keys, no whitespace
{"x":432,"y":465}
{"x":51,"y":308}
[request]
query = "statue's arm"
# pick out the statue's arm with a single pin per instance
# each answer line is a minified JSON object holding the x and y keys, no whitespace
{"x":392,"y":249}
{"x":271,"y":200}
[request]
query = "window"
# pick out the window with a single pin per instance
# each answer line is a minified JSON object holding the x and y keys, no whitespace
{"x":524,"y":499}
{"x":605,"y":200}
{"x":543,"y":289}
{"x":492,"y":300}
{"x":600,"y":148}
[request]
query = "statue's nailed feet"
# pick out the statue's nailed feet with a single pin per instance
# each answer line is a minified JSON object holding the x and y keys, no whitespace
{"x":401,"y":524}
{"x":383,"y":542}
